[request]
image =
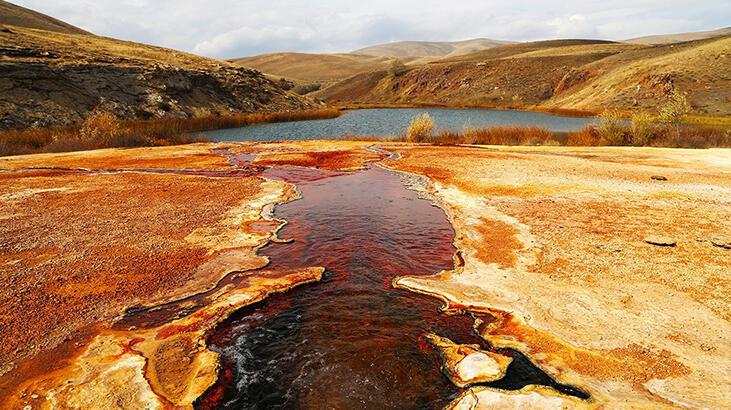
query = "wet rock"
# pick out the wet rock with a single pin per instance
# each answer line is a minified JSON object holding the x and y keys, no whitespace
{"x":531,"y":397}
{"x":721,"y":243}
{"x":659,"y":240}
{"x":659,"y":178}
{"x":467,"y":364}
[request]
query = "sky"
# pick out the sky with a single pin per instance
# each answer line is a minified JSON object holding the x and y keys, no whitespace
{"x":236,"y":28}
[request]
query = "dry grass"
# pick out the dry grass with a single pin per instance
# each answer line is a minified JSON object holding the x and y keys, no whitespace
{"x":497,"y":136}
{"x":642,"y":132}
{"x":656,"y":135}
{"x":104,"y":131}
{"x":420,"y":129}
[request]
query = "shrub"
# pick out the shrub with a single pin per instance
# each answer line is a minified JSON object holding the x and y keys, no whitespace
{"x":397,"y":68}
{"x":585,"y":137}
{"x":420,"y":128}
{"x":285,"y":84}
{"x":105,"y":130}
{"x":641,"y":129}
{"x":303,"y":89}
{"x":611,"y":128}
{"x":100,"y":128}
{"x":495,"y":136}
{"x":675,"y":108}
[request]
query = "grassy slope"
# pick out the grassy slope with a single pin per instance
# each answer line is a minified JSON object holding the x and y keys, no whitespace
{"x":75,"y":48}
{"x":680,"y":37}
{"x":309,"y":68}
{"x":330,"y":68}
{"x":436,"y":49}
{"x":13,"y":15}
{"x":576,"y":74}
{"x":642,"y":77}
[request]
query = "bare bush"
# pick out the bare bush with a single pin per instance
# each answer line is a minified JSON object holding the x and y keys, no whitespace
{"x":420,"y":128}
{"x":675,"y":108}
{"x":303,"y":89}
{"x":100,"y":129}
{"x":611,"y":128}
{"x":641,"y":128}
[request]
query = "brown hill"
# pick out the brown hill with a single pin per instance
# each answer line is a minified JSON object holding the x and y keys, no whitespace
{"x":13,"y":15}
{"x":406,"y":50}
{"x":50,"y":79}
{"x":573,"y":74}
{"x":680,"y":37}
{"x":310,"y":68}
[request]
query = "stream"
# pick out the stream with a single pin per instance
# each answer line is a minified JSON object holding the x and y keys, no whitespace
{"x":352,"y":340}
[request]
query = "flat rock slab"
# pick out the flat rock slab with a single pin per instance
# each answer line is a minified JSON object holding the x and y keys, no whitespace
{"x":660,"y":240}
{"x":721,"y":243}
{"x":531,"y":397}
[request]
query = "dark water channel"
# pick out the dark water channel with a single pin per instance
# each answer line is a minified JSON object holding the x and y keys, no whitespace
{"x":351,"y":341}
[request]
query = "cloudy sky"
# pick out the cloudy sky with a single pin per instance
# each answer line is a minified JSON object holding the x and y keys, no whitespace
{"x":233,"y":28}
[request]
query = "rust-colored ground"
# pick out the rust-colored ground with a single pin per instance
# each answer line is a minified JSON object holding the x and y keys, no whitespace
{"x":556,"y":236}
{"x":555,"y":264}
{"x":81,"y":241}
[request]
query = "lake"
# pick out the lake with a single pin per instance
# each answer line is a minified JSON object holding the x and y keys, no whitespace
{"x":392,"y":121}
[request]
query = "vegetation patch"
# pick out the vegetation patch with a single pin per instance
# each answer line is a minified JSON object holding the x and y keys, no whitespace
{"x":104,"y":130}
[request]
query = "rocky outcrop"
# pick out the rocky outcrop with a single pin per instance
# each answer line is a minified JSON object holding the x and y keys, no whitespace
{"x":51,"y":79}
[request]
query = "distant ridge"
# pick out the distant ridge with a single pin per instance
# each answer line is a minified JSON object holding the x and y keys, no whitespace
{"x":416,"y":49}
{"x":13,"y":15}
{"x":309,"y":68}
{"x":680,"y":37}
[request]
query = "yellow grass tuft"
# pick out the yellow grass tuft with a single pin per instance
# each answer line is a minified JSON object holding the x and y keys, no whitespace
{"x":420,"y":128}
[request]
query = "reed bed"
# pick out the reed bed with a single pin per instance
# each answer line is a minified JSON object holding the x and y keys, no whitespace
{"x":106,"y":131}
{"x":611,"y":130}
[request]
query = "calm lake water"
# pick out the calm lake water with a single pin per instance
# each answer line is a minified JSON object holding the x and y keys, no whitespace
{"x":383,"y":122}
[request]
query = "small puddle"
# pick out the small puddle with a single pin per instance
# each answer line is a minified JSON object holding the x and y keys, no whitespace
{"x":352,"y":340}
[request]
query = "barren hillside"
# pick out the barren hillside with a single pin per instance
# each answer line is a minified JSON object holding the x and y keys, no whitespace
{"x":436,"y":49}
{"x":680,"y":37}
{"x":309,"y":68}
{"x":13,"y":15}
{"x":578,"y":74}
{"x":51,"y":79}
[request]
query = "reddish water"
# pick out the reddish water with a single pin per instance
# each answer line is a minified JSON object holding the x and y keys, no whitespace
{"x":350,"y":341}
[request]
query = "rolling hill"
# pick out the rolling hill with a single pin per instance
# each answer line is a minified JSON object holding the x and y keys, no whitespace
{"x":680,"y":37}
{"x":586,"y":75}
{"x":406,"y":50}
{"x":50,"y":78}
{"x":326,"y":69}
{"x":13,"y":15}
{"x":310,"y":68}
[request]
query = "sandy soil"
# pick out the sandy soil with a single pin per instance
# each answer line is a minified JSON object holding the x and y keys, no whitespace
{"x":553,"y":244}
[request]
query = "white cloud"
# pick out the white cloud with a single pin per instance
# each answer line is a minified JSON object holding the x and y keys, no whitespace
{"x":232,"y":28}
